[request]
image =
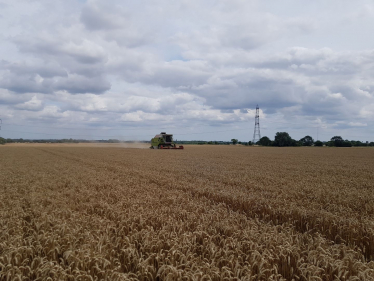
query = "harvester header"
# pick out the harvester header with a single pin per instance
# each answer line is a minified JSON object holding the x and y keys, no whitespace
{"x":164,"y":141}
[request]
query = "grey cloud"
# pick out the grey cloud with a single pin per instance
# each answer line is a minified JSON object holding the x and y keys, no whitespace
{"x":174,"y":103}
{"x":35,"y":84}
{"x":190,"y":60}
{"x":44,"y":70}
{"x":294,"y":58}
{"x":85,"y":52}
{"x":95,"y":18}
{"x":57,"y":59}
{"x":116,"y":23}
{"x":322,"y":62}
{"x":271,"y":95}
{"x":10,"y":98}
{"x":80,"y":84}
{"x":131,"y":38}
{"x":300,"y":25}
{"x":23,"y":83}
{"x":76,"y":67}
{"x":241,"y":30}
{"x":176,"y":74}
{"x":270,"y":82}
{"x":177,"y":77}
{"x":32,"y":105}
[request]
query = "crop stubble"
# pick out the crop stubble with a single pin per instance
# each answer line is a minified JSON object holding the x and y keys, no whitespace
{"x":208,"y":212}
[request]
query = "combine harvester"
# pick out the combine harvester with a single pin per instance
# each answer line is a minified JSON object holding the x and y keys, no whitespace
{"x":164,"y":141}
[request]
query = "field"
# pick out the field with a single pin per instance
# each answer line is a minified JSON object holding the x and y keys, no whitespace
{"x":91,"y":212}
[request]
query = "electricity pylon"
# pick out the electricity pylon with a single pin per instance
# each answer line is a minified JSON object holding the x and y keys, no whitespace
{"x":256,"y":133}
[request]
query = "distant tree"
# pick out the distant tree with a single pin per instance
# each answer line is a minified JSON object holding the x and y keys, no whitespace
{"x":2,"y":141}
{"x":318,"y":143}
{"x":296,"y":143}
{"x":283,"y":139}
{"x":357,"y":143}
{"x":234,"y":141}
{"x":347,"y":143}
{"x":307,"y":141}
{"x":250,"y":143}
{"x":371,"y":143}
{"x":264,"y":141}
{"x":337,"y":141}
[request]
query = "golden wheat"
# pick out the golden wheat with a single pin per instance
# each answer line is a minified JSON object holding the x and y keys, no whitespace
{"x":205,"y":213}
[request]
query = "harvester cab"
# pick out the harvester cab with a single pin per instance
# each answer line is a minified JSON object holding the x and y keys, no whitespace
{"x":164,"y":141}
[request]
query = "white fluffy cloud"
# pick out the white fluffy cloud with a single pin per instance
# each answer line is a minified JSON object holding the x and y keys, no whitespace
{"x":191,"y":66}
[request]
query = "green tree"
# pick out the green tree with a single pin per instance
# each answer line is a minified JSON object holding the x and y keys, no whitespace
{"x":347,"y":143}
{"x":296,"y":143}
{"x":283,"y":139}
{"x":234,"y":141}
{"x":337,"y":141}
{"x":307,"y":141}
{"x":357,"y":143}
{"x":318,"y":143}
{"x":264,"y":141}
{"x":2,"y":141}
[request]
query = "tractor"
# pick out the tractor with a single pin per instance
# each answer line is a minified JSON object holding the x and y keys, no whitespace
{"x":164,"y":141}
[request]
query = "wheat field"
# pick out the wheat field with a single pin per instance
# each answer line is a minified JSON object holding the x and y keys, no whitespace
{"x":81,"y":212}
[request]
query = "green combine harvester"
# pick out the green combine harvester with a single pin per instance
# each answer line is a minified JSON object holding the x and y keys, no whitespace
{"x":164,"y":141}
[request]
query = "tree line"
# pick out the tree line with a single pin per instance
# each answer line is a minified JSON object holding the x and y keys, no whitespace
{"x":284,"y":139}
{"x":280,"y":139}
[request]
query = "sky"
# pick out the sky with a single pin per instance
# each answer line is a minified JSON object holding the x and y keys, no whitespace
{"x":120,"y":69}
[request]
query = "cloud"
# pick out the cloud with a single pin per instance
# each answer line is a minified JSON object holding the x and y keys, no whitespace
{"x":26,"y":68}
{"x":9,"y":98}
{"x":34,"y":104}
{"x":76,"y":84}
{"x":198,"y":62}
{"x":118,"y":23}
{"x":94,"y":18}
{"x":80,"y":51}
{"x":34,"y":83}
{"x":357,"y":124}
{"x":171,"y":104}
{"x":72,"y":66}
